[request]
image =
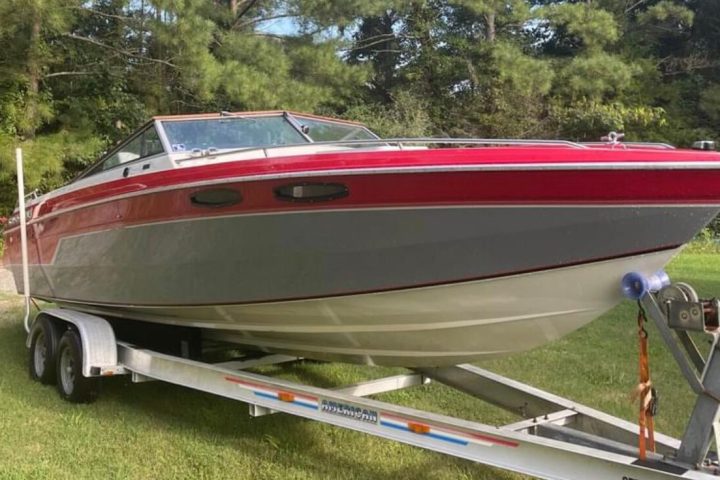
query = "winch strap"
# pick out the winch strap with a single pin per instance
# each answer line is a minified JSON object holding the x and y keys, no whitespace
{"x":645,"y":393}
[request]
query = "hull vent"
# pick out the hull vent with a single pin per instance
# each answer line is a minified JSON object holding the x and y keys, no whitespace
{"x":216,"y":198}
{"x":311,"y":192}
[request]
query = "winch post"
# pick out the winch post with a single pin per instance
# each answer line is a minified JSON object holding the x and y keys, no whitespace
{"x":654,"y":311}
{"x":699,"y":432}
{"x":691,"y":349}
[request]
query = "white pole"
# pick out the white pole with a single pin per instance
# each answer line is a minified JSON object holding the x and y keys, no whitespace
{"x":23,"y":236}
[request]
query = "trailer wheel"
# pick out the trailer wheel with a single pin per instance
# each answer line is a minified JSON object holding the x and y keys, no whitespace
{"x":71,"y":383}
{"x":44,"y":338}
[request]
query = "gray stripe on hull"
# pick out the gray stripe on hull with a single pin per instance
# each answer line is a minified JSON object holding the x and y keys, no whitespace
{"x":245,"y":259}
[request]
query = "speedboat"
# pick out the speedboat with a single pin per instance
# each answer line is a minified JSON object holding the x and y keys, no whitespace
{"x":293,"y":233}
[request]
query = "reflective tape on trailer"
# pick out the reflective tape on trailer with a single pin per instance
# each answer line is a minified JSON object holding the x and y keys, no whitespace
{"x":284,"y":396}
{"x":382,"y":419}
{"x":450,"y":436}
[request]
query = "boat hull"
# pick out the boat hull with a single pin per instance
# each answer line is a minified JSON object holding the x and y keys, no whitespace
{"x":424,"y":258}
{"x":401,"y":286}
{"x":430,"y":326}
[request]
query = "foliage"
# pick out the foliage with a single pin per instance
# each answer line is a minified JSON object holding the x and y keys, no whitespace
{"x":589,"y":120}
{"x":589,"y":27}
{"x":407,"y":116}
{"x":705,"y":242}
{"x":49,"y":161}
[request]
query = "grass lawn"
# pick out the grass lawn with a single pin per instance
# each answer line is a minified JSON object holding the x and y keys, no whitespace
{"x":157,"y":430}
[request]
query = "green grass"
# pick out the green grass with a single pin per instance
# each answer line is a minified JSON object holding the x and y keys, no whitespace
{"x":157,"y":430}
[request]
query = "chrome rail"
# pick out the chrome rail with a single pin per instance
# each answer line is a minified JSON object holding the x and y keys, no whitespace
{"x":653,"y":145}
{"x":456,"y":141}
{"x":399,"y":142}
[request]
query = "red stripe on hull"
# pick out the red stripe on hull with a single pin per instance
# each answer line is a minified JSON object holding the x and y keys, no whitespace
{"x":517,"y":186}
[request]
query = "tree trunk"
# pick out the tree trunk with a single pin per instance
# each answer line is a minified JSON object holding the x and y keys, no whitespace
{"x":33,"y":73}
{"x":490,"y":27}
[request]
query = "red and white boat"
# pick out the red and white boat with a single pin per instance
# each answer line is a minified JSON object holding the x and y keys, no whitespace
{"x":305,"y":235}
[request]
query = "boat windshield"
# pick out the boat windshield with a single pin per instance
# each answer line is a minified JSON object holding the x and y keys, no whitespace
{"x":230,"y":133}
{"x":236,"y":132}
{"x":329,"y":131}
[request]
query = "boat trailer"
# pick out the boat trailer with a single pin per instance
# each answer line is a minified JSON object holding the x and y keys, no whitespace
{"x":554,"y":438}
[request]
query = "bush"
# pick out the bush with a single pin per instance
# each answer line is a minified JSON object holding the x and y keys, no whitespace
{"x":704,"y":242}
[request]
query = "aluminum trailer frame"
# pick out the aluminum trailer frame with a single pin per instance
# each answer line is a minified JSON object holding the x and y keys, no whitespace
{"x":513,"y":447}
{"x":555,"y":438}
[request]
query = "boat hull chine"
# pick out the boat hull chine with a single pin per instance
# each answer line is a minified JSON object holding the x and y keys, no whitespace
{"x":430,"y":326}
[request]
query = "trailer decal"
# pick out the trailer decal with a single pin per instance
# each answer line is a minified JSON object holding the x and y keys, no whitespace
{"x":262,"y":391}
{"x":275,"y":396}
{"x":349,"y":411}
{"x":400,"y":426}
{"x":446,"y":435}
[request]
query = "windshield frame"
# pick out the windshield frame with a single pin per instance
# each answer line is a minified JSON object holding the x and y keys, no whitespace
{"x":293,"y":118}
{"x":90,"y":171}
{"x":297,"y":118}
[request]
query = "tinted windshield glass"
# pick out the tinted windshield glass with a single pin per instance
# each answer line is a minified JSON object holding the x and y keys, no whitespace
{"x":145,"y":144}
{"x":231,"y":133}
{"x":327,"y":131}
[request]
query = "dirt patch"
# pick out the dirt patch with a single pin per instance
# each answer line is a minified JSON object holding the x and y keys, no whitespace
{"x":6,"y":304}
{"x":7,"y":282}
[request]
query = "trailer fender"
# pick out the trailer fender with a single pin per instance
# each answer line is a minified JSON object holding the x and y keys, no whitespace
{"x":98,"y":341}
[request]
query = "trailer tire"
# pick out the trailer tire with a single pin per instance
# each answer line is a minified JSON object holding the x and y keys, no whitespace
{"x":71,"y":384}
{"x":44,"y":339}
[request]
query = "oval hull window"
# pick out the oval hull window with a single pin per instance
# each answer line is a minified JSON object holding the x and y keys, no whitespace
{"x":311,"y":192}
{"x":216,"y":197}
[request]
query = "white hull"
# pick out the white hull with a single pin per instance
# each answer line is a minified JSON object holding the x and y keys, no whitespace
{"x":437,"y":325}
